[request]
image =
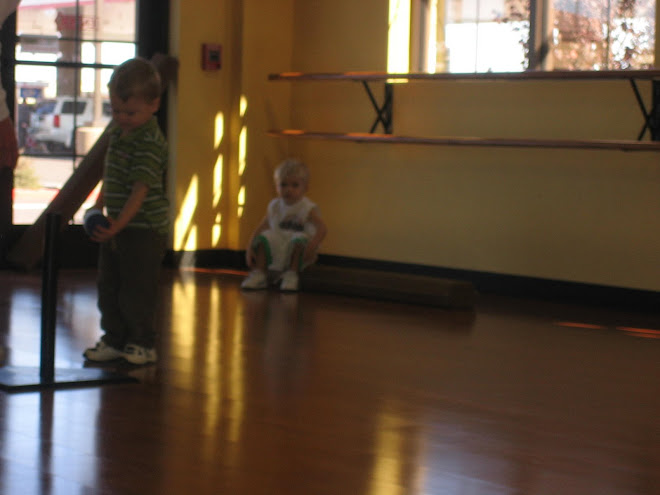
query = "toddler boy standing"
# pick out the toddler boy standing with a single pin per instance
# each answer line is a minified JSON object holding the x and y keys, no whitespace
{"x":133,"y":194}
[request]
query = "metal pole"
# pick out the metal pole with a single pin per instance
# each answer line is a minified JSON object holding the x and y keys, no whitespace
{"x":49,"y":297}
{"x":654,"y":121}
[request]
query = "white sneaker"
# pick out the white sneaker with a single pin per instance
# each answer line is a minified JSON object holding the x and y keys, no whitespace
{"x":135,"y":354}
{"x":289,"y":281}
{"x":256,"y":279}
{"x":102,"y":352}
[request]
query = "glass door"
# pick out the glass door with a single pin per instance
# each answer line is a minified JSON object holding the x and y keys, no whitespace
{"x":65,"y":52}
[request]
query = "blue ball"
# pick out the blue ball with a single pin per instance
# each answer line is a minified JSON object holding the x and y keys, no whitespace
{"x":94,"y":218}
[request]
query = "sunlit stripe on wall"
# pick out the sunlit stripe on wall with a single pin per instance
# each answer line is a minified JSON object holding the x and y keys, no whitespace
{"x":216,"y":231}
{"x":217,"y":180}
{"x":242,"y":158}
{"x":218,"y":171}
{"x":242,"y":150}
{"x":185,"y":233}
{"x":241,"y":201}
{"x":219,"y":129}
{"x":243,"y":106}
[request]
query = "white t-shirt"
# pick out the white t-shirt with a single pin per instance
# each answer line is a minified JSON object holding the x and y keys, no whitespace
{"x":292,"y":218}
{"x":6,"y":8}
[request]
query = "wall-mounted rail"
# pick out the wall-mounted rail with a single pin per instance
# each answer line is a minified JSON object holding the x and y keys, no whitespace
{"x":383,"y":109}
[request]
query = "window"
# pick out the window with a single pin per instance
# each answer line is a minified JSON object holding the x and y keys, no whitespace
{"x":65,"y":54}
{"x":514,"y":35}
{"x":71,"y":107}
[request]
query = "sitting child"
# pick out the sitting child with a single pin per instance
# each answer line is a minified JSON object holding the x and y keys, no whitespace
{"x":287,"y":239}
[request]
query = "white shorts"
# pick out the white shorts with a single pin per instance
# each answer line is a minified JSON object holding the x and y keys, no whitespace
{"x":279,"y":246}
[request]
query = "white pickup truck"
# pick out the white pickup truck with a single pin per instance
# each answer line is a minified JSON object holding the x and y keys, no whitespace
{"x":56,"y":129}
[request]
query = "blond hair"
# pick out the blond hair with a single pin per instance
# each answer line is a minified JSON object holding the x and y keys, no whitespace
{"x":292,"y":167}
{"x":137,"y":77}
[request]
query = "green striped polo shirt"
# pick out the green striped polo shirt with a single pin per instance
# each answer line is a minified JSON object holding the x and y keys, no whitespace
{"x":140,"y":156}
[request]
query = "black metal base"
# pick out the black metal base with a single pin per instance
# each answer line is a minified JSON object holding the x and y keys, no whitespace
{"x":26,"y":379}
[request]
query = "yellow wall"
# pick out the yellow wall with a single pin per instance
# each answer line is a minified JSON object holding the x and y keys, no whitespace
{"x":218,"y":117}
{"x":586,"y":216}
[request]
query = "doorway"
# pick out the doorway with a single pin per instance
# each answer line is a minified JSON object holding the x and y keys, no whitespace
{"x":57,"y":59}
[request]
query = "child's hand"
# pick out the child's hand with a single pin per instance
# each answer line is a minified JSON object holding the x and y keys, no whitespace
{"x":103,"y":234}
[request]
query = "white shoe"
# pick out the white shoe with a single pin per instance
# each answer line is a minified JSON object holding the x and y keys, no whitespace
{"x":135,"y":354}
{"x":102,"y":352}
{"x":289,"y":281}
{"x":256,"y":279}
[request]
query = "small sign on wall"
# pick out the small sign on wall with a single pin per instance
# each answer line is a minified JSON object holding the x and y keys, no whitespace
{"x":211,"y":56}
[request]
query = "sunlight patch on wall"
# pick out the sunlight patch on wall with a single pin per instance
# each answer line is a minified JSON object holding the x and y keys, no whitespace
{"x":242,"y":157}
{"x":218,"y":170}
{"x":398,"y":41}
{"x":216,"y":231}
{"x":241,"y":201}
{"x":243,"y":106}
{"x":242,"y":154}
{"x":185,"y":233}
{"x":219,"y":129}
{"x":242,"y":150}
{"x":217,"y":180}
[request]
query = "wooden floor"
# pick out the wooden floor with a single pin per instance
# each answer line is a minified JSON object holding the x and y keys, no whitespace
{"x":267,"y":393}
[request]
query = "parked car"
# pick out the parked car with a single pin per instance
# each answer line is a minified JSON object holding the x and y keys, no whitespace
{"x":54,"y":124}
{"x":42,"y":108}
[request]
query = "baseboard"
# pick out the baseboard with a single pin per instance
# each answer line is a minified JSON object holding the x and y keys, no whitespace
{"x":210,"y":258}
{"x":519,"y":286}
{"x":389,"y":285}
{"x":483,"y":282}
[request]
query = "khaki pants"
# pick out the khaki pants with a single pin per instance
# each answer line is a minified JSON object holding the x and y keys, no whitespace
{"x":128,"y":278}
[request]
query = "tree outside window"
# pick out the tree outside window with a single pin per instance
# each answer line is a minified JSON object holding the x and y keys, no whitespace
{"x":515,"y":35}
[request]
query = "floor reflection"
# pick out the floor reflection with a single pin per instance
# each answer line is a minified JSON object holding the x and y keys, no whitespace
{"x":45,"y":433}
{"x":263,"y":392}
{"x":22,"y":320}
{"x":275,"y":321}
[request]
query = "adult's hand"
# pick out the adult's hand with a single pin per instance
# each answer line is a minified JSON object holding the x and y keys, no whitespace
{"x":8,"y":144}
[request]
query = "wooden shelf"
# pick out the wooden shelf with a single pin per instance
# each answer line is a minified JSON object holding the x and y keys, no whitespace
{"x":383,"y":110}
{"x":586,"y":144}
{"x":508,"y":76}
